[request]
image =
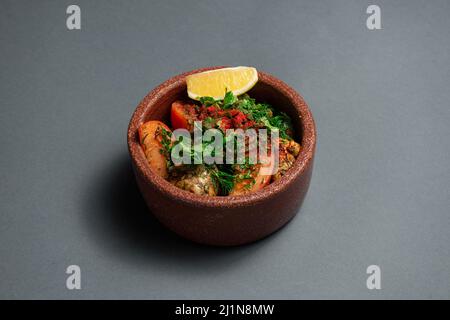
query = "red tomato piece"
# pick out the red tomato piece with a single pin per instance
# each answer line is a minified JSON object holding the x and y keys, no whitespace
{"x":178,"y":117}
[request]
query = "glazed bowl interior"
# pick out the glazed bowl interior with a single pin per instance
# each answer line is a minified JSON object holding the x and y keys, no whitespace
{"x":157,"y":105}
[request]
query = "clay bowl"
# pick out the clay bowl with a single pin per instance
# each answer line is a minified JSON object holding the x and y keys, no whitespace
{"x":225,"y":221}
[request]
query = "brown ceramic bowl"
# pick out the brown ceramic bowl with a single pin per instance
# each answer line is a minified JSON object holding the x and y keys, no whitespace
{"x":231,"y":220}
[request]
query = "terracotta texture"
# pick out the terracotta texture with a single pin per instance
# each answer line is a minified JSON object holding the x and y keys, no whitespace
{"x":228,"y":220}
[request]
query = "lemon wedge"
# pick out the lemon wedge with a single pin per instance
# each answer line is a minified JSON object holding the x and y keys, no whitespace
{"x":214,"y":83}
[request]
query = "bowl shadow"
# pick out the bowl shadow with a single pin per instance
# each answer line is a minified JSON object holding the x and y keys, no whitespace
{"x":119,"y":220}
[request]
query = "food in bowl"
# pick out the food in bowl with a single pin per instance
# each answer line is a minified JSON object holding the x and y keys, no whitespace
{"x":224,"y":220}
{"x":230,"y":117}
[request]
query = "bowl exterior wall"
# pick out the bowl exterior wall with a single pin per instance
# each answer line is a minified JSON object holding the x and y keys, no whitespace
{"x":227,"y":226}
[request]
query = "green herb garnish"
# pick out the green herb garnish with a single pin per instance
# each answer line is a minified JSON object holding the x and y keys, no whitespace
{"x":166,"y":142}
{"x":208,"y":101}
{"x":223,"y":179}
{"x":228,"y":100}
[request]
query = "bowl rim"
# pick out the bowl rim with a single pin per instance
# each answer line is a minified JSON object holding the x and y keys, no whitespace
{"x":303,"y":161}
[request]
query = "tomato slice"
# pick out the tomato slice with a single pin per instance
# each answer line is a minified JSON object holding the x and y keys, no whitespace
{"x":181,"y":116}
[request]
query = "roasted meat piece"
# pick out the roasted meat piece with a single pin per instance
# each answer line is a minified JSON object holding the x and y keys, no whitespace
{"x":288,"y":152}
{"x":193,"y":178}
{"x":152,"y":138}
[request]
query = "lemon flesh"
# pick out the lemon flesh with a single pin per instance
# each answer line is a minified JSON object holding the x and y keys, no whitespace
{"x":214,"y":83}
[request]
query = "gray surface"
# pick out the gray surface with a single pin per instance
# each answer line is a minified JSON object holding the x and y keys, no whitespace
{"x":381,"y":185}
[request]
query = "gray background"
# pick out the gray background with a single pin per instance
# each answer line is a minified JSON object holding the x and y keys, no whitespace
{"x":381,"y":185}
